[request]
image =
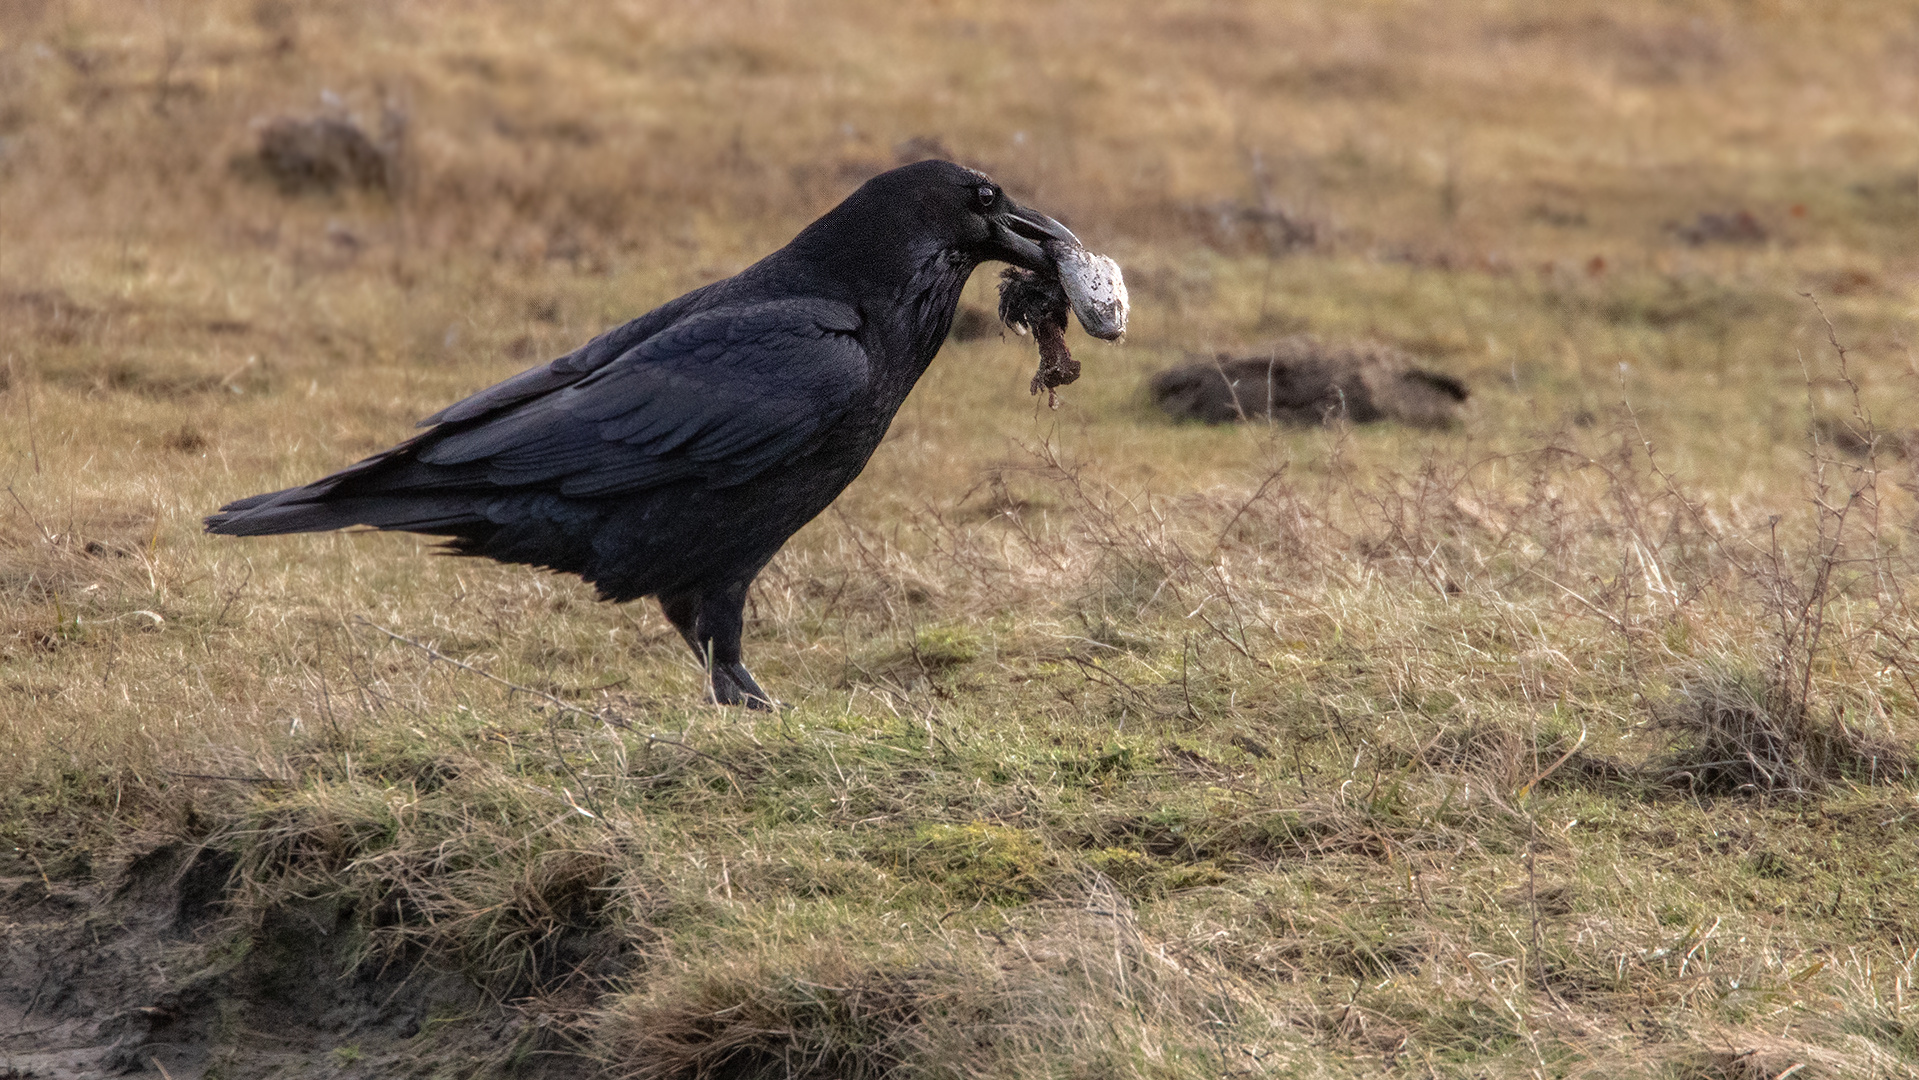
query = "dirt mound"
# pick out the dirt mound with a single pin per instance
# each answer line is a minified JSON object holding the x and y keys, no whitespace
{"x":1302,"y":380}
{"x":326,"y":153}
{"x":1858,"y":440}
{"x":148,"y":975}
{"x":1731,"y":227}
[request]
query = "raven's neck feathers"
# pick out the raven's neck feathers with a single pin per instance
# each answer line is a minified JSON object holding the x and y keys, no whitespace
{"x":872,"y":240}
{"x":874,"y":252}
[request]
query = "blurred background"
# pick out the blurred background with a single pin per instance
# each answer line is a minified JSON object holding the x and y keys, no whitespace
{"x":1527,"y":197}
{"x":1757,"y":141}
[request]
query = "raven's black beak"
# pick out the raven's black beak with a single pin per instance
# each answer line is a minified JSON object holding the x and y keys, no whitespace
{"x":1020,"y":233}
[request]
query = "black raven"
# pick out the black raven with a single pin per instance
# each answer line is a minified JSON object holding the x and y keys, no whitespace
{"x":674,"y":455}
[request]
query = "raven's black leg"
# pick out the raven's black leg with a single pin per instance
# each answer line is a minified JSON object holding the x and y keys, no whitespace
{"x":711,"y":623}
{"x":722,"y":618}
{"x":682,"y":609}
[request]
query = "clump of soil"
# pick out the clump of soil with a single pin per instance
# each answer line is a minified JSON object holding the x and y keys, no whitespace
{"x":1302,"y":380}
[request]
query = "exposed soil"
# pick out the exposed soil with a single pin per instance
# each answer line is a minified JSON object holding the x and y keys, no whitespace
{"x":1302,"y":380}
{"x":324,"y":153}
{"x":147,"y":975}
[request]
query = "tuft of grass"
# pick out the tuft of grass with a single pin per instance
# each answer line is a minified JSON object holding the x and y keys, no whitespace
{"x":975,"y":862}
{"x":946,"y":1005}
{"x":937,"y":648}
{"x":1736,"y":735}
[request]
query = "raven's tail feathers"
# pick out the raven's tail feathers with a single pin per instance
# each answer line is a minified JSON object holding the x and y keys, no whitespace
{"x":390,"y":492}
{"x":298,"y":510}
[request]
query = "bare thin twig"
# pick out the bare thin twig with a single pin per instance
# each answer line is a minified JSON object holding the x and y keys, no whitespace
{"x":224,"y":776}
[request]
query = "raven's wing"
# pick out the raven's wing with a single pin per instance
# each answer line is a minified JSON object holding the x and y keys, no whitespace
{"x":720,"y":396}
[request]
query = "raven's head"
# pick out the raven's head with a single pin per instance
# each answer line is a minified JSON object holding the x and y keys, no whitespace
{"x":955,"y":209}
{"x":974,"y":215}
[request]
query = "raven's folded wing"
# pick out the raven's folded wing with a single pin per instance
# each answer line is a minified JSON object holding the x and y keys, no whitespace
{"x":718,"y":396}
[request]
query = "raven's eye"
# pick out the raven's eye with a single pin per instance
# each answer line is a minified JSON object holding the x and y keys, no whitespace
{"x":987,"y":196}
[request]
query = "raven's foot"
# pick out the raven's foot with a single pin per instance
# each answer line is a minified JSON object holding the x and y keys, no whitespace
{"x":734,"y":685}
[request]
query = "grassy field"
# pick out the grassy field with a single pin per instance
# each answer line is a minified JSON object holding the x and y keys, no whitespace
{"x":1576,"y":741}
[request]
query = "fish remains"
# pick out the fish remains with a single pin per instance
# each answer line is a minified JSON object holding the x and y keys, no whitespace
{"x":1085,"y":281}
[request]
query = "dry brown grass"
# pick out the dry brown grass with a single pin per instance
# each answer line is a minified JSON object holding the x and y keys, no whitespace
{"x":1576,"y":741}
